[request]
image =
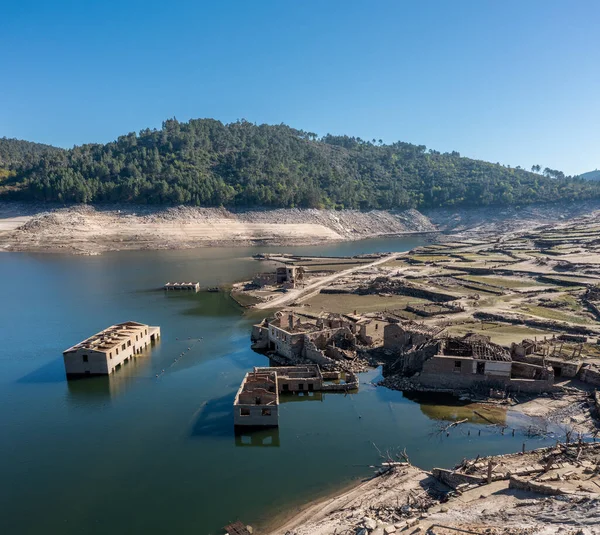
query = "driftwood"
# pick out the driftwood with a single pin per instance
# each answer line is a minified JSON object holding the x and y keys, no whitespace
{"x":455,"y":424}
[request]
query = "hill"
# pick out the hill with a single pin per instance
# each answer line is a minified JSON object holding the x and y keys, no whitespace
{"x":16,"y":151}
{"x":204,"y":162}
{"x":591,"y":175}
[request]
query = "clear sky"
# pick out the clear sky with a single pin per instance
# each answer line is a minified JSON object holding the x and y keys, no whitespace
{"x":509,"y":81}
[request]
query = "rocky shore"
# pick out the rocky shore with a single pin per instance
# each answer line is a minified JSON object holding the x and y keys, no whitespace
{"x":549,"y":490}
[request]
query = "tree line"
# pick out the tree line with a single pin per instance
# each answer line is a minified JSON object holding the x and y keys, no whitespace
{"x":207,"y":163}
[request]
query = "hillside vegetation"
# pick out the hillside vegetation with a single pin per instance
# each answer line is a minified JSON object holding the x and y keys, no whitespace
{"x":15,"y":153}
{"x":591,"y":175}
{"x":204,"y":162}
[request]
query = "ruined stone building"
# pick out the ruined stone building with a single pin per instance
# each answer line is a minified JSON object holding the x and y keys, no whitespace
{"x":107,"y":350}
{"x":284,"y":276}
{"x":464,"y":361}
{"x":289,"y":275}
{"x":257,"y":400}
{"x":564,"y":354}
{"x":256,"y":403}
{"x":471,"y":361}
{"x":298,"y":337}
{"x":407,"y":334}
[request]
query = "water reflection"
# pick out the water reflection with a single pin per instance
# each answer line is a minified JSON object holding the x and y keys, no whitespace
{"x":449,"y":408}
{"x":90,"y":390}
{"x":211,"y":304}
{"x":292,"y":397}
{"x":257,"y":437}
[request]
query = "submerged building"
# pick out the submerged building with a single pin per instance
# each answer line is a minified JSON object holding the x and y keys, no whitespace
{"x":107,"y":350}
{"x":257,"y":400}
{"x":256,"y":403}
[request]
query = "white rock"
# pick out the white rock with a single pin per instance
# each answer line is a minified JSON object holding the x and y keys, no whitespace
{"x":369,"y":523}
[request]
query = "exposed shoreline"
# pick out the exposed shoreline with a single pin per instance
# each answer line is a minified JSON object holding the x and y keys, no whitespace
{"x":515,"y":491}
{"x":92,"y":230}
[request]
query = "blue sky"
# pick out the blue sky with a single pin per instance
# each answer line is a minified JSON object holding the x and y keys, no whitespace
{"x":515,"y":82}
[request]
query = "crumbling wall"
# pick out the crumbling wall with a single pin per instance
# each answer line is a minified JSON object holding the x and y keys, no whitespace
{"x":260,"y":337}
{"x":351,"y":383}
{"x":524,"y":370}
{"x":343,"y":338}
{"x":337,"y":353}
{"x":402,"y":336}
{"x":517,"y":482}
{"x":455,"y":479}
{"x":567,"y":368}
{"x":411,"y":362}
{"x":314,"y":354}
{"x":264,"y":279}
{"x":590,"y":374}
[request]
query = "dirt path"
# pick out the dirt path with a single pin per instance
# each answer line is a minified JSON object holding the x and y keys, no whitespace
{"x":300,"y":294}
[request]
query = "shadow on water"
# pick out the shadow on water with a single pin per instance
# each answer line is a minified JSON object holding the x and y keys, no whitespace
{"x":214,"y":418}
{"x":52,"y":372}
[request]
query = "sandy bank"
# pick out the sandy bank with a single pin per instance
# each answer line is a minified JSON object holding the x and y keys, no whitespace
{"x":88,"y":230}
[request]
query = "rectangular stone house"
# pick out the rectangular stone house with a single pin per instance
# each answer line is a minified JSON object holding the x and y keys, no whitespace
{"x":107,"y":350}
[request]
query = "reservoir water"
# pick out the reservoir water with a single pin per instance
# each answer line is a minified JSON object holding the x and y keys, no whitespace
{"x":151,"y":449}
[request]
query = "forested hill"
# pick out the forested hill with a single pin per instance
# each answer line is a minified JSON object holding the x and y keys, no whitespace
{"x":16,"y":152}
{"x":205,"y":162}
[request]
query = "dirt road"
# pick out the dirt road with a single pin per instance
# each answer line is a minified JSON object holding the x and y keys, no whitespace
{"x":299,"y":294}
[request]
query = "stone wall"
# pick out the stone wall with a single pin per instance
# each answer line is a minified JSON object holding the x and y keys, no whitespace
{"x":565,"y":369}
{"x":314,"y":354}
{"x":455,"y":479}
{"x":525,"y":370}
{"x":522,"y":483}
{"x":412,"y":361}
{"x":590,"y":374}
{"x":351,"y":383}
{"x":543,"y":324}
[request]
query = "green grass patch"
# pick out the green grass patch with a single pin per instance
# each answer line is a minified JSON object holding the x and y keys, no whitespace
{"x":430,"y":258}
{"x":501,"y":282}
{"x":554,"y":314}
{"x":348,"y":303}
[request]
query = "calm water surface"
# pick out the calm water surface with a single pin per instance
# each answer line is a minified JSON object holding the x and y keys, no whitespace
{"x":151,"y":449}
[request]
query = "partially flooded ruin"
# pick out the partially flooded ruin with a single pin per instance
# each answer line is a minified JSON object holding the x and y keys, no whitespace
{"x":505,"y":319}
{"x":504,"y":324}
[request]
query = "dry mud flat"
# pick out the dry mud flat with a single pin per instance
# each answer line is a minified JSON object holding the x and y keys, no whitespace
{"x":88,"y":230}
